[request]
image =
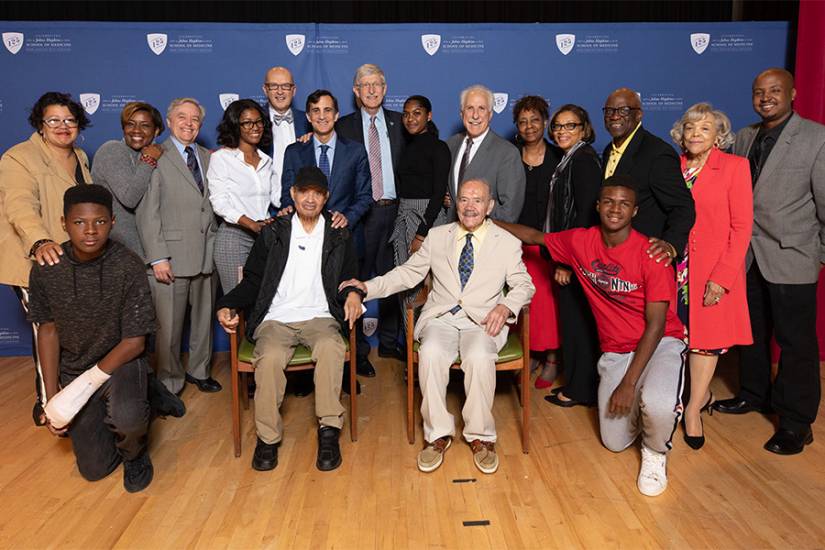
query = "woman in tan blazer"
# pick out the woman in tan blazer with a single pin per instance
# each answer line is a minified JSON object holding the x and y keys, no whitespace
{"x":34,"y":175}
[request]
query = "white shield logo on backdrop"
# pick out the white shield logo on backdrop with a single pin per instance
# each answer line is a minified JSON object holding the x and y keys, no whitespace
{"x":157,"y":42}
{"x":295,"y":43}
{"x":370,"y":324}
{"x":431,"y":43}
{"x":565,"y":43}
{"x":226,"y":99}
{"x":500,"y":101}
{"x":90,"y":102}
{"x":13,"y":41}
{"x":699,"y":41}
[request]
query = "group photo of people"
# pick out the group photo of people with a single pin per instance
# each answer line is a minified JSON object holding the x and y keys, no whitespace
{"x":642,"y":264}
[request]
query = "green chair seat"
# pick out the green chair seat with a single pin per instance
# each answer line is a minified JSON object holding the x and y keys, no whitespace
{"x":510,"y":352}
{"x":303,"y":354}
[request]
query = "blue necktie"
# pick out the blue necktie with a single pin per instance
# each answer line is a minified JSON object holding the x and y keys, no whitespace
{"x":465,"y":261}
{"x":323,"y":161}
{"x":192,"y":164}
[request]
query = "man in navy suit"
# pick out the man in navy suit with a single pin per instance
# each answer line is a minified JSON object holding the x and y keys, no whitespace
{"x":344,"y":163}
{"x":380,"y":133}
{"x":288,"y":124}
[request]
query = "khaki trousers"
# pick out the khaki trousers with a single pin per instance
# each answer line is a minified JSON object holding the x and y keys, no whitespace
{"x":442,"y":339}
{"x":275,"y":344}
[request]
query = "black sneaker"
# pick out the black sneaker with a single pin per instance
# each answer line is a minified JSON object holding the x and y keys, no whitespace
{"x":265,"y":457}
{"x":329,"y":453}
{"x":138,"y":473}
{"x":163,"y":402}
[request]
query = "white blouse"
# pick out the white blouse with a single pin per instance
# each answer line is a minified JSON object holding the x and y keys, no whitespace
{"x":236,"y":188}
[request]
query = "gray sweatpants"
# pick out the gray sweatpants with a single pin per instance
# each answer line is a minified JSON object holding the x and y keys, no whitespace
{"x":657,"y":407}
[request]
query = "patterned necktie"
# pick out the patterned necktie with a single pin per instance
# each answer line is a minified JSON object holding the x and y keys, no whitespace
{"x":465,"y":261}
{"x":323,"y":161}
{"x":192,"y":164}
{"x":278,"y":119}
{"x":465,"y":160}
{"x":375,"y":161}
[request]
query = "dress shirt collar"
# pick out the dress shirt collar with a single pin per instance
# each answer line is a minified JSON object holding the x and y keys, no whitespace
{"x":479,"y":233}
{"x":181,"y":147}
{"x":476,"y":140}
{"x":379,"y":116}
{"x":332,"y":141}
{"x":273,"y":112}
{"x":238,"y":154}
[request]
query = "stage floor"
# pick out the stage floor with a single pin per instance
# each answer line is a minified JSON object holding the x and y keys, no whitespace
{"x":568,"y":492}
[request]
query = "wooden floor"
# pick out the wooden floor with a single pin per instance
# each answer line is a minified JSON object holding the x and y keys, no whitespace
{"x":569,"y":492}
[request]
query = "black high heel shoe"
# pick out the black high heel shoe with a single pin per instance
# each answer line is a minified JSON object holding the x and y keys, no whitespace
{"x":696,"y":442}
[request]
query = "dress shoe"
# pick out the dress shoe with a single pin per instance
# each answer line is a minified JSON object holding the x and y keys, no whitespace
{"x":696,"y":442}
{"x":392,"y":353}
{"x":329,"y":453}
{"x":364,"y":368}
{"x":786,"y":442}
{"x":737,"y":405}
{"x":162,"y":402}
{"x":207,"y":385}
{"x":345,"y":383}
{"x":566,"y":403}
{"x":265,"y":457}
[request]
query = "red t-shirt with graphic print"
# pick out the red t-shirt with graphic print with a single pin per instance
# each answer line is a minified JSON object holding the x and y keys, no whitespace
{"x":618,"y":282}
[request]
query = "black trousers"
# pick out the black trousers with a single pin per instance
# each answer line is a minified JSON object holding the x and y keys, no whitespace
{"x":113,"y":425}
{"x":378,"y":224}
{"x":579,"y":343}
{"x":788,"y":312}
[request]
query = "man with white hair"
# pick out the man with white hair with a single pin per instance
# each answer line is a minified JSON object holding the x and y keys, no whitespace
{"x":380,"y":132}
{"x":478,"y":152}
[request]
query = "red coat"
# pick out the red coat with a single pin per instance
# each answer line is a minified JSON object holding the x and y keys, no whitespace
{"x":716,"y":251}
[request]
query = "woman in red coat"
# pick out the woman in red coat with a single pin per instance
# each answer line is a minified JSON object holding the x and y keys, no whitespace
{"x":712,"y":299}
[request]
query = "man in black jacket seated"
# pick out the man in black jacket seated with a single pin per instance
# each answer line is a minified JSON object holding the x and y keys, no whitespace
{"x":289,"y":292}
{"x":666,"y":210}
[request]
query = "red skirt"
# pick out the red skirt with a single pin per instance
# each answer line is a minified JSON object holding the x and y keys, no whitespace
{"x":544,"y":311}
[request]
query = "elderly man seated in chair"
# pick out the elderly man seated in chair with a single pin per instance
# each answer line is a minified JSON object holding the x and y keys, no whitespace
{"x":290,"y":290}
{"x":466,"y":314}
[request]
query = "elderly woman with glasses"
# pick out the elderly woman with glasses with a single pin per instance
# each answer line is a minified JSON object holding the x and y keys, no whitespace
{"x":243,"y":185}
{"x":34,"y":175}
{"x":125,"y":168}
{"x":712,"y":295}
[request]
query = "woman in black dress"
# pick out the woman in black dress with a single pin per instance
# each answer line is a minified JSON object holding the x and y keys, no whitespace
{"x":421,"y":179}
{"x":574,"y":190}
{"x":530,"y":115}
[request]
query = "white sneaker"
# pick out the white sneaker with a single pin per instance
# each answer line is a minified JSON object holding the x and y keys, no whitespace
{"x":652,"y":480}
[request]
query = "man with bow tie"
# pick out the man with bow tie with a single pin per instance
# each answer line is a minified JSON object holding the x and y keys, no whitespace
{"x":288,"y":123}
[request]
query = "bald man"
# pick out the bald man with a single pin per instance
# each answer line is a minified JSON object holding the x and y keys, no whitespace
{"x":666,"y":211}
{"x":787,"y":159}
{"x":287,"y":123}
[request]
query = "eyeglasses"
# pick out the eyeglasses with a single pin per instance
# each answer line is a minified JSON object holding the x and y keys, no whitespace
{"x":372,"y":86}
{"x":249,"y":124}
{"x":282,"y":87}
{"x":621,"y":111}
{"x":569,"y":126}
{"x":57,"y":122}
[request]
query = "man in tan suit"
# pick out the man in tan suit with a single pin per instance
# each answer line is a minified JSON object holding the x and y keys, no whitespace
{"x":177,"y":229}
{"x":466,"y":315}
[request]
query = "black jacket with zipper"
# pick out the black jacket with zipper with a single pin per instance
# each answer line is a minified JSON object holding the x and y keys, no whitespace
{"x":267,"y":261}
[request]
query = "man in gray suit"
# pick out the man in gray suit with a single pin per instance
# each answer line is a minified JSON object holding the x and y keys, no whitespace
{"x":479,"y":153}
{"x":177,"y":230}
{"x":787,"y":158}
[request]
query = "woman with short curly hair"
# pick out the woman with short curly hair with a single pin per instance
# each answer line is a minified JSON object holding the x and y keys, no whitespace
{"x":712,"y":296}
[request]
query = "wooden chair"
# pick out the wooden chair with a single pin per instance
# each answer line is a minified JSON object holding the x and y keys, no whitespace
{"x":513,"y":356}
{"x":241,"y":363}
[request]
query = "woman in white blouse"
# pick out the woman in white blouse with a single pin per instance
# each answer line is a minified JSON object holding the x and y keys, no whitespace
{"x":242,"y":186}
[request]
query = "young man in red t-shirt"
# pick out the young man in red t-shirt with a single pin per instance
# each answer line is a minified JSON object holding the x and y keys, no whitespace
{"x":633,"y":297}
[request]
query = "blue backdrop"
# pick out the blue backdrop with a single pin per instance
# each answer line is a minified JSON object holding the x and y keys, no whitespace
{"x":107,"y":65}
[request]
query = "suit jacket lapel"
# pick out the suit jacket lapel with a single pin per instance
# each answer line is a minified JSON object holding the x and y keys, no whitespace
{"x":626,"y":162}
{"x":780,"y":149}
{"x":452,"y":260}
{"x":177,"y":161}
